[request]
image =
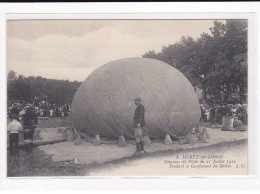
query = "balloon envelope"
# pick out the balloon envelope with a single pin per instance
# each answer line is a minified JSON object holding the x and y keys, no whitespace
{"x":104,"y":103}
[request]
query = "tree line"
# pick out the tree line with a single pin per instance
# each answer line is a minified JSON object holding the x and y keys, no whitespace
{"x":26,"y":88}
{"x":216,"y":62}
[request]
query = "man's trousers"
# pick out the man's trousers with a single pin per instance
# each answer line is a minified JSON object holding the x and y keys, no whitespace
{"x":139,"y":138}
{"x":14,"y":143}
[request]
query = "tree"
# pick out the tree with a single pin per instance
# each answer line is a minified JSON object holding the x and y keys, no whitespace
{"x":180,"y":55}
{"x":26,"y":88}
{"x":11,"y":76}
{"x":215,"y":62}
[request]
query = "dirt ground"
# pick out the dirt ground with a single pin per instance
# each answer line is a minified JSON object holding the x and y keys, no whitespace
{"x":59,"y":159}
{"x":39,"y":164}
{"x":86,"y":153}
{"x":159,"y":163}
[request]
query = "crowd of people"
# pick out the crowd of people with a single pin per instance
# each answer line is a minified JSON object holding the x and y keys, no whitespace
{"x":28,"y":114}
{"x":24,"y":118}
{"x":41,"y":106}
{"x":214,"y":113}
{"x":26,"y":125}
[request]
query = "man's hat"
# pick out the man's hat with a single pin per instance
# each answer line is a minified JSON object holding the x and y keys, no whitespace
{"x":138,"y":99}
{"x":15,"y":116}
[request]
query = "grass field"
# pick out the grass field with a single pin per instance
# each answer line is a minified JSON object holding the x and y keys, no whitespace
{"x":40,"y":164}
{"x":51,"y":122}
{"x":54,"y":122}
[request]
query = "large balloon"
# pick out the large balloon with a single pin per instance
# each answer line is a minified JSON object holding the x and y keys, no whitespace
{"x":104,"y":103}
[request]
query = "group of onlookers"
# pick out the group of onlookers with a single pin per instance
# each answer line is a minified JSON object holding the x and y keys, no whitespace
{"x":24,"y":119}
{"x":25,"y":124}
{"x":27,"y":113}
{"x":42,"y":109}
{"x":214,"y":113}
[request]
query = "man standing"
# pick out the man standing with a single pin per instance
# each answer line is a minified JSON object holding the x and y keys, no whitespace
{"x":41,"y":112}
{"x":14,"y":110}
{"x":51,"y":113}
{"x":30,"y":123}
{"x":13,"y":128}
{"x":139,"y":124}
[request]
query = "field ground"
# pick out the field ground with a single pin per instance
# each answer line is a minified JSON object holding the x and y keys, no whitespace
{"x":58,"y":159}
{"x":51,"y":122}
{"x":41,"y":164}
{"x":54,"y":122}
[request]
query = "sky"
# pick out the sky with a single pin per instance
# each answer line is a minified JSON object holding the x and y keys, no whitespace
{"x":73,"y":49}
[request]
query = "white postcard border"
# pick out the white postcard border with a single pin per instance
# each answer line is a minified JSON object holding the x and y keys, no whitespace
{"x":137,"y":11}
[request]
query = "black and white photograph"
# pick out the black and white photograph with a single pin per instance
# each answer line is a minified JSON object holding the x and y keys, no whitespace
{"x":127,"y":97}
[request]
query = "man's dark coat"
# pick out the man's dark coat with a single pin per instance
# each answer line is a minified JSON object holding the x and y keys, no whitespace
{"x":139,"y":116}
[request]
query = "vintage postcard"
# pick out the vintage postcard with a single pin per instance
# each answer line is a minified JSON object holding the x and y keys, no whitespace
{"x":127,"y":97}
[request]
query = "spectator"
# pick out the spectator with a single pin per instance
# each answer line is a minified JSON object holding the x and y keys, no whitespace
{"x":13,"y":128}
{"x":30,"y":123}
{"x":41,"y":106}
{"x":51,"y":113}
{"x":212,"y":114}
{"x":41,"y":112}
